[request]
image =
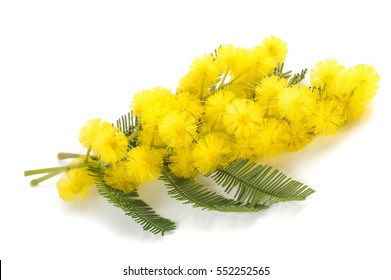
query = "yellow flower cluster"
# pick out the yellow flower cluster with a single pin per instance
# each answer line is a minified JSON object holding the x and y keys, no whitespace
{"x":232,"y":104}
{"x":75,"y":183}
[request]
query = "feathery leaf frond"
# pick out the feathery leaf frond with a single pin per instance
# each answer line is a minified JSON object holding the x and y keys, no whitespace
{"x":128,"y":125}
{"x":259,"y":184}
{"x":133,"y":206}
{"x":297,"y":78}
{"x":279,"y":71}
{"x":191,"y":192}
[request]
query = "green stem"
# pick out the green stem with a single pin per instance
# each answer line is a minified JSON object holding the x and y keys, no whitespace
{"x":211,"y":131}
{"x":87,"y":154}
{"x":237,"y":77}
{"x":132,"y":136}
{"x":160,"y":146}
{"x":61,"y":168}
{"x":202,"y":88}
{"x":223,"y":79}
{"x":153,"y":136}
{"x":62,"y":156}
{"x":43,"y":178}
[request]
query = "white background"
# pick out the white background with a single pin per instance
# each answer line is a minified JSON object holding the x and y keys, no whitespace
{"x":64,"y":62}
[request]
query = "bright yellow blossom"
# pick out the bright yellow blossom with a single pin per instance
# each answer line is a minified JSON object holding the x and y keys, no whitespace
{"x":143,"y":100}
{"x":232,"y":60}
{"x":118,"y":177}
{"x":296,"y":102}
{"x":242,"y":117}
{"x":362,"y":79}
{"x":149,"y":136}
{"x":88,"y":132}
{"x":203,"y":73}
{"x":353,"y":105}
{"x":182,"y":163}
{"x":326,"y":73}
{"x":152,"y":105}
{"x":328,"y":118}
{"x":75,"y":183}
{"x":298,"y":135}
{"x":266,"y":94}
{"x":246,"y":147}
{"x":239,"y":69}
{"x":356,"y":89}
{"x":144,"y":164}
{"x":215,"y":108}
{"x":271,"y":138}
{"x":110,"y":144}
{"x":178,"y":129}
{"x":263,"y":60}
{"x":267,"y":56}
{"x":212,"y":152}
{"x":188,"y":103}
{"x":190,"y":84}
{"x":275,"y":48}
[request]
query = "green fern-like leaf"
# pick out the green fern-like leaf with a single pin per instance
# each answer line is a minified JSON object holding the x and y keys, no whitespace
{"x":297,"y":78}
{"x":191,"y":192}
{"x":128,"y":125}
{"x":259,"y":184}
{"x":279,"y":71}
{"x":133,"y":206}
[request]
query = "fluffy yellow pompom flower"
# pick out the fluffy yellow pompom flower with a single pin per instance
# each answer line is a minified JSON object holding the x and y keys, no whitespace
{"x":239,"y":69}
{"x":326,"y":73}
{"x":353,"y":105}
{"x":215,"y":108}
{"x":152,"y":105}
{"x":149,"y":136}
{"x":272,"y":138}
{"x":110,"y":144}
{"x":75,"y":183}
{"x":296,"y":102}
{"x":266,"y":93}
{"x":357,"y":87}
{"x":144,"y":164}
{"x":203,"y":73}
{"x":88,"y":132}
{"x":362,"y":79}
{"x":232,"y":59}
{"x":188,"y":103}
{"x":275,"y":48}
{"x":182,"y":163}
{"x":117,"y":177}
{"x":298,"y":135}
{"x":211,"y":152}
{"x":143,"y":100}
{"x":246,"y":147}
{"x":242,"y":117}
{"x":263,"y":60}
{"x":178,"y":129}
{"x":328,"y":118}
{"x":242,"y":67}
